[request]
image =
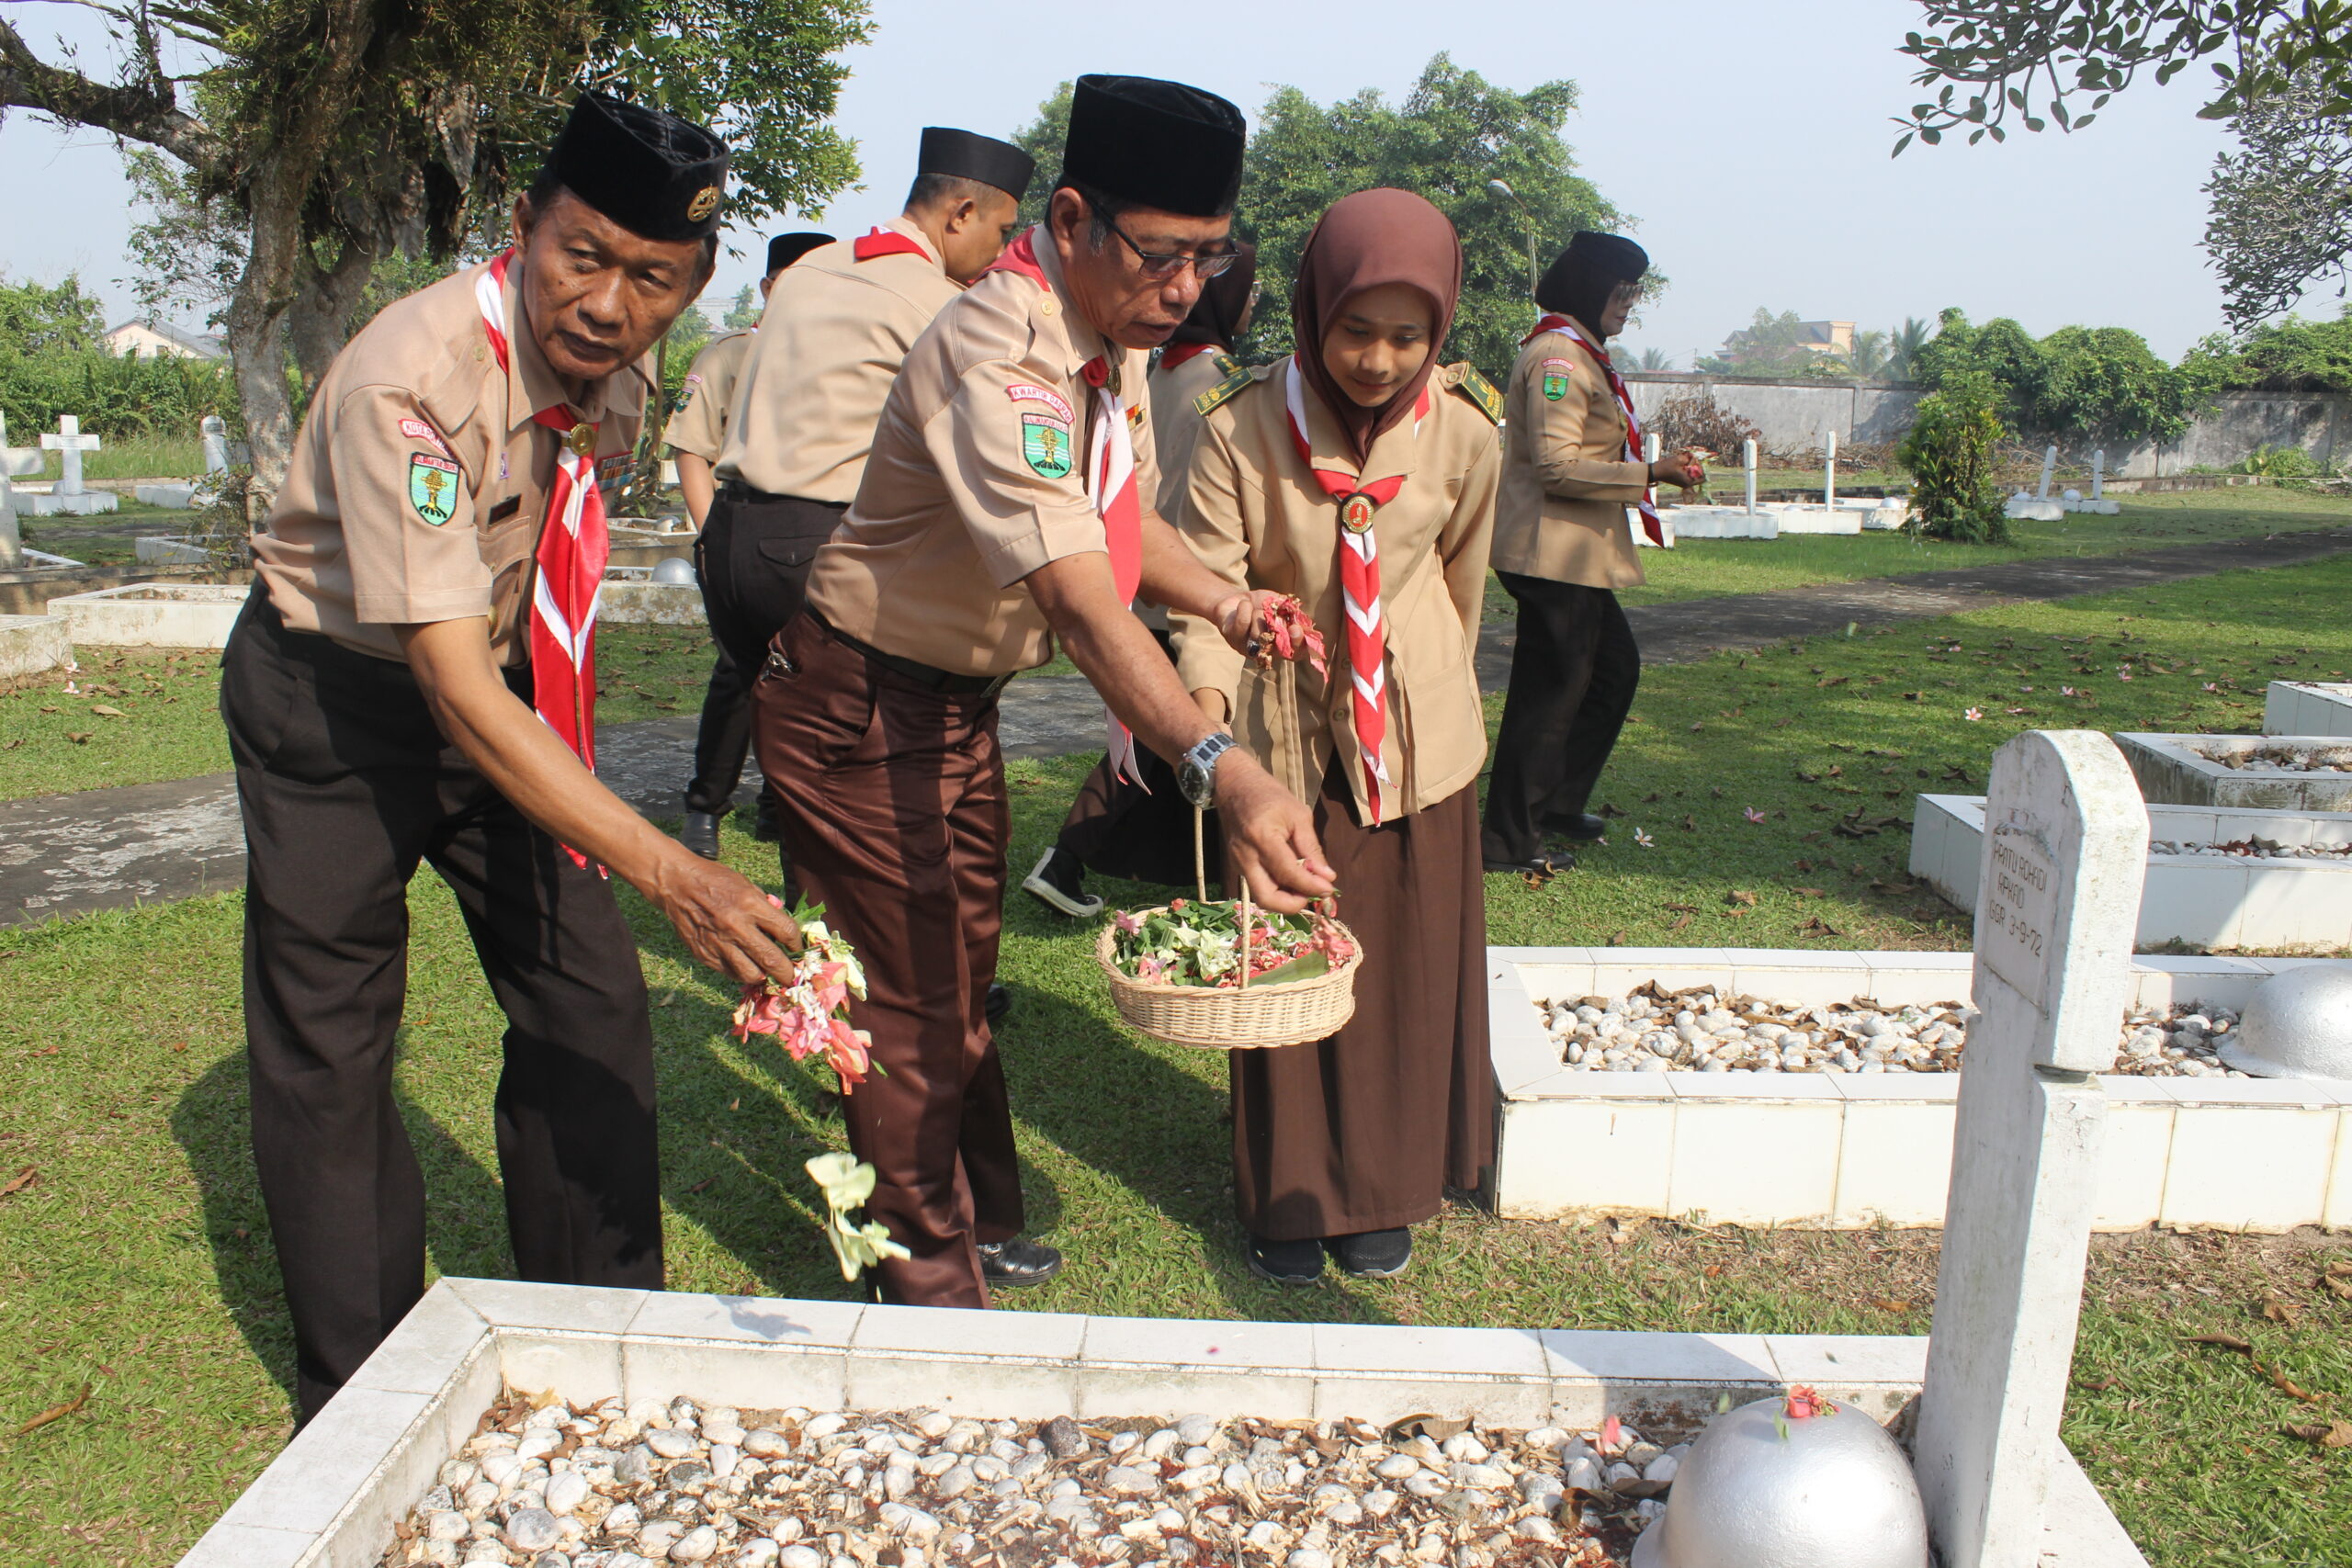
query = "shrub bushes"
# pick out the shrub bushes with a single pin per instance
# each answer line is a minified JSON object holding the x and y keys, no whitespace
{"x":1950,"y":454}
{"x":116,"y":398}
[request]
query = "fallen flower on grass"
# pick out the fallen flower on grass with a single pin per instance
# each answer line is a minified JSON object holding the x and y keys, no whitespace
{"x":1753,"y":815}
{"x":2123,"y":671}
{"x":1972,"y":714}
{"x":2068,"y":691}
{"x":2212,"y":686}
{"x":1642,"y":839}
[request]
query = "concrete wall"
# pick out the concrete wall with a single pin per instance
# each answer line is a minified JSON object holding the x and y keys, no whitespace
{"x":1799,"y":415}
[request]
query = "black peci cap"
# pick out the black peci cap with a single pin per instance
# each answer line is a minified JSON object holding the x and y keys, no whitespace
{"x":786,"y":249}
{"x":1155,"y":143}
{"x":970,"y":156}
{"x":651,"y":172}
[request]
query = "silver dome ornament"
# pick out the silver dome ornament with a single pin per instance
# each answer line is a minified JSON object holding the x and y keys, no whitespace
{"x":2299,"y":1025}
{"x":1791,"y":1481}
{"x":674,"y":570}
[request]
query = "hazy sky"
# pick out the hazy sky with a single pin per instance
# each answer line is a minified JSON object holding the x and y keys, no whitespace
{"x":1759,"y":171}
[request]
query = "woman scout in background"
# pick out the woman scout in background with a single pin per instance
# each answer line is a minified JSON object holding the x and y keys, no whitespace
{"x":1574,"y":486}
{"x":1116,"y":826}
{"x":1359,"y":477}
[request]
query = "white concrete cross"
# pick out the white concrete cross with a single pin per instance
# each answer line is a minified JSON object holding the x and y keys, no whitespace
{"x":1829,"y":472}
{"x":1747,"y":462}
{"x":2049,"y":461}
{"x":216,"y":444}
{"x":70,"y":441}
{"x":2099,"y":473}
{"x":2066,"y":850}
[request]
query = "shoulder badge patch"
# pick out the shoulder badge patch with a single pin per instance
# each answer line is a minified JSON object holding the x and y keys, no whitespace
{"x":1224,"y":392}
{"x":1553,"y":374}
{"x":1480,"y":391}
{"x":1225,"y":364}
{"x":432,"y":487}
{"x":1030,"y":392}
{"x":1045,"y":445}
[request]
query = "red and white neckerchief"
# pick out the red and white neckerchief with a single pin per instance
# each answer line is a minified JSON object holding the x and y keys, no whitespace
{"x":1175,"y":354}
{"x":886,"y":242}
{"x":1360,"y":501}
{"x":1111,"y":482}
{"x":1555,"y":323}
{"x":573,"y":551}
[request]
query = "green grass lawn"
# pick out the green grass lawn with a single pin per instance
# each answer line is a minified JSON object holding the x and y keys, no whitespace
{"x":135,"y":1259}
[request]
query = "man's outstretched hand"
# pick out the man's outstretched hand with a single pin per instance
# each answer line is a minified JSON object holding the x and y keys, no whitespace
{"x":1270,"y":837}
{"x":726,"y":920}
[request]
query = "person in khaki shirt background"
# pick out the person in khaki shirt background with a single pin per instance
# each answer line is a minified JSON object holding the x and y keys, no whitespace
{"x":1343,"y":1145}
{"x":380,"y":704}
{"x":1141,"y":827}
{"x":696,"y":431}
{"x":1572,"y":492}
{"x":1006,"y":504}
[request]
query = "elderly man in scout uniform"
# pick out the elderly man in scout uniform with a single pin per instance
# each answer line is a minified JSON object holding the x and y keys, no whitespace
{"x":1574,"y":486}
{"x":696,"y":432}
{"x":414,"y":679}
{"x":1005,"y":504}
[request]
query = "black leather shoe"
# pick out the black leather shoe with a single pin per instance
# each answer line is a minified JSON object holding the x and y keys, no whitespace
{"x":1583,"y":826}
{"x":701,"y":834}
{"x":1286,"y":1262}
{"x":998,"y":1003}
{"x":764,"y":826}
{"x":1548,"y":864}
{"x":1016,"y":1265}
{"x":1373,"y":1255}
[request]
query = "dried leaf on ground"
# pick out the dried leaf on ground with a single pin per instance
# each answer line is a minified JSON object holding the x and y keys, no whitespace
{"x":22,"y":1179}
{"x":56,"y":1412}
{"x":2278,"y":1310}
{"x":103,"y":711}
{"x":1740,"y":895}
{"x":2327,"y":1434}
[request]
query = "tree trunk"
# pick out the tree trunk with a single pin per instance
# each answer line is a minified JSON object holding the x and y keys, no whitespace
{"x":324,"y":303}
{"x":256,"y":333}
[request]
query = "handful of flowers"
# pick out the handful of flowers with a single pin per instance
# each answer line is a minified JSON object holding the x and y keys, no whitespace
{"x":1292,"y":632}
{"x":810,"y":1017}
{"x":1199,"y":944}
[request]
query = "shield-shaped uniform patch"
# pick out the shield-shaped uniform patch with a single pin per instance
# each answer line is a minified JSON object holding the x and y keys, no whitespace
{"x":1045,"y":442}
{"x":433,"y":487}
{"x":1555,"y":378}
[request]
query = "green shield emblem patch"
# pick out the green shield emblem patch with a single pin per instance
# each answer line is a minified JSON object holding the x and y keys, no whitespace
{"x":1556,"y":388}
{"x":1045,"y":442}
{"x":432,"y":487}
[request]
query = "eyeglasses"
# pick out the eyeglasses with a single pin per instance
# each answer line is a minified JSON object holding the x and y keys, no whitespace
{"x":1167,"y":264}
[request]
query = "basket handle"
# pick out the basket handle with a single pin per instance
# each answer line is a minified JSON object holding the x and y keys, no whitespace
{"x":1200,"y":865}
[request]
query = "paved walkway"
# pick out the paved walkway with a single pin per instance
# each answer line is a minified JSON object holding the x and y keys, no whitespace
{"x":64,"y":855}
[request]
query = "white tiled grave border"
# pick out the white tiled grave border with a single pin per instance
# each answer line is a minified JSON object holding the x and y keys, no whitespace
{"x":2204,"y":900}
{"x":2307,"y":707}
{"x":1854,"y":1151}
{"x":330,"y":1500}
{"x":2170,"y":773}
{"x":153,"y":615}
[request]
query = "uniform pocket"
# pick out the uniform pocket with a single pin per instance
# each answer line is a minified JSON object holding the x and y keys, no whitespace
{"x":792,"y":552}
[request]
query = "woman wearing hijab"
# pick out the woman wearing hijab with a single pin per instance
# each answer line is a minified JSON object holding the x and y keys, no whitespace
{"x":1574,"y":487}
{"x":1116,"y":826}
{"x":1359,"y":477}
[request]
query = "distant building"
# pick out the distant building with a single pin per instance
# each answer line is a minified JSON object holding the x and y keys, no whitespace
{"x":155,"y":340}
{"x":1833,"y":338}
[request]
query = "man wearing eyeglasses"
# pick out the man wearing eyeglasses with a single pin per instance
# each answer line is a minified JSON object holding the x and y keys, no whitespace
{"x":1007,"y":503}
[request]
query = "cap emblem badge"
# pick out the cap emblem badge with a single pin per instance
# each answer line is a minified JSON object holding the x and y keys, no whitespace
{"x":705,"y":203}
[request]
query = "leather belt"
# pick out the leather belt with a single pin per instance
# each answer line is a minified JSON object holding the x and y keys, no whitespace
{"x":931,"y":677}
{"x":742,"y":494}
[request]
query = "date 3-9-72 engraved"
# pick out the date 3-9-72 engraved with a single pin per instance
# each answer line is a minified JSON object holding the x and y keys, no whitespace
{"x":2020,"y":905}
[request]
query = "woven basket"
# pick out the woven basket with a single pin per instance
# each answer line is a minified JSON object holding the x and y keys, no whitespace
{"x":1246,"y":1018}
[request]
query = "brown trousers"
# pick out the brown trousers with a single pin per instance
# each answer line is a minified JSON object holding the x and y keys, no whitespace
{"x":1365,"y":1131}
{"x":894,"y":810}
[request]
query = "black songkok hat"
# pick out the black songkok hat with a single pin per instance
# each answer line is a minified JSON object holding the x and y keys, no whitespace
{"x":1156,"y":144}
{"x":967,"y":155}
{"x":651,"y":172}
{"x":786,"y":249}
{"x":1580,"y":279}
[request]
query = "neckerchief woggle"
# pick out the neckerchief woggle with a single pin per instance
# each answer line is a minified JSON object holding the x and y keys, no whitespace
{"x":1111,"y":482}
{"x":573,"y":551}
{"x":1359,"y":501}
{"x":1555,"y":323}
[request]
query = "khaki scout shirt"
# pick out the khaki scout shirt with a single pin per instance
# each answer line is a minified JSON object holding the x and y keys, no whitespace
{"x":978,"y":479}
{"x":1565,"y":481}
{"x":1172,"y":392}
{"x":419,"y":480}
{"x":1256,"y":516}
{"x":830,"y":344}
{"x":704,"y":401}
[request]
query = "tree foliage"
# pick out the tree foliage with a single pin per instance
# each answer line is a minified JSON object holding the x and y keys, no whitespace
{"x":747,"y":310}
{"x":1987,"y":58}
{"x":54,"y":360}
{"x":1450,"y":135}
{"x":38,"y":319}
{"x":2292,"y":355}
{"x":1949,"y":452}
{"x":2098,"y":384}
{"x":1771,"y":345}
{"x":1903,"y":346}
{"x":2280,"y":218}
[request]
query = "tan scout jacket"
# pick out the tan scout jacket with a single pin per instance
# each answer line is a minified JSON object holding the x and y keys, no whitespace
{"x":699,"y":425}
{"x":829,"y":343}
{"x":419,"y":481}
{"x":1565,"y":481}
{"x":1256,"y":517}
{"x":978,"y":478}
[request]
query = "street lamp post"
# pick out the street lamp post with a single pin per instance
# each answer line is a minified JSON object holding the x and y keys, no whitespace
{"x":1503,"y":189}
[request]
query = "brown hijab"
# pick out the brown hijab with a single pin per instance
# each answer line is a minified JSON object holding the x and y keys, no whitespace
{"x":1372,"y":238}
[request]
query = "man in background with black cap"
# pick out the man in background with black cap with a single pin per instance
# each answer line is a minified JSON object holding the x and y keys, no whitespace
{"x":1574,"y":487}
{"x":414,"y":679}
{"x":696,"y":432}
{"x":1007,"y":503}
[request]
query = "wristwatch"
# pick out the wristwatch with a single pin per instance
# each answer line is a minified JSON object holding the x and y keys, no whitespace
{"x":1196,"y":769}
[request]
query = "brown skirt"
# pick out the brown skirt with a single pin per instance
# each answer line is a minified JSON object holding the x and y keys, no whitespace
{"x":1366,"y":1130}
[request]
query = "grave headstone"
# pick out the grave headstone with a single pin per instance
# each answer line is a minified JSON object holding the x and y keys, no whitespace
{"x":2064,"y":851}
{"x":216,"y":444}
{"x":1829,"y":470}
{"x":14,"y":460}
{"x":69,"y":495}
{"x":1748,"y":463}
{"x":2098,"y":475}
{"x":2049,"y":461}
